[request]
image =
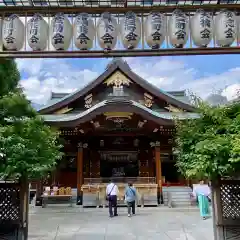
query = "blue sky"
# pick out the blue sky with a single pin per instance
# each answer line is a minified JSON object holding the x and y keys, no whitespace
{"x":202,"y":75}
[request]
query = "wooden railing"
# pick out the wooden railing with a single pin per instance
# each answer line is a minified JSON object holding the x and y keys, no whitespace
{"x":139,"y":180}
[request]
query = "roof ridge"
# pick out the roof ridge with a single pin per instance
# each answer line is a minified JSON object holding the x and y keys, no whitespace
{"x":126,"y":70}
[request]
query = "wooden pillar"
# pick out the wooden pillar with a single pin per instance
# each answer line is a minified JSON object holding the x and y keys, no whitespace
{"x":24,"y":207}
{"x":217,"y":211}
{"x":39,"y":191}
{"x":79,"y":173}
{"x":158,"y":172}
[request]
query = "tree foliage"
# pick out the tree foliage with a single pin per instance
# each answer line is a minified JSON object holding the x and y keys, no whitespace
{"x":9,"y":76}
{"x":28,"y":147}
{"x":209,"y":147}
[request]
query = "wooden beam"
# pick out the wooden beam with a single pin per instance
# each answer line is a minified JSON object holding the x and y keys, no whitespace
{"x":121,"y":53}
{"x":48,"y":10}
{"x":158,"y":169}
{"x":79,"y":172}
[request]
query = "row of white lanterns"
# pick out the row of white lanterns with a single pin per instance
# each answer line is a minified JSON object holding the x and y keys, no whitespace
{"x":223,"y":28}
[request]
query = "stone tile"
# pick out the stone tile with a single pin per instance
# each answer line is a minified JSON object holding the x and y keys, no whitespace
{"x":92,"y":224}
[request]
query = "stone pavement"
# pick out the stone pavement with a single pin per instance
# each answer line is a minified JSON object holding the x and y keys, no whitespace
{"x":64,"y":223}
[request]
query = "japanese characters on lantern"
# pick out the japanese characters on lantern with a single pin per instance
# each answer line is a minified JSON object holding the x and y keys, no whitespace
{"x":130,"y":30}
{"x":107,"y":31}
{"x":61,"y":32}
{"x":83,"y":32}
{"x":13,"y":33}
{"x":178,"y":29}
{"x":201,"y":28}
{"x":155,"y":29}
{"x":37,"y":33}
{"x":110,"y":30}
{"x":225,"y":28}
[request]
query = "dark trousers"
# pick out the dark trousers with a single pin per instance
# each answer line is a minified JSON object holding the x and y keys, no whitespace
{"x":112,"y":205}
{"x":131,"y":205}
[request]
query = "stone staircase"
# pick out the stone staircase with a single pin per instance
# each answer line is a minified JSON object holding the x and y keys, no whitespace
{"x":177,"y":196}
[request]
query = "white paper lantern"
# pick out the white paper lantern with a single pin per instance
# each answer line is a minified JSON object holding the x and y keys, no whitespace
{"x":201,"y":28}
{"x":107,"y":31}
{"x":178,"y":29}
{"x":61,"y":32}
{"x":83,"y":31}
{"x":13,"y":33}
{"x":155,"y":29}
{"x":37,"y":33}
{"x":225,"y":28}
{"x":130,"y":30}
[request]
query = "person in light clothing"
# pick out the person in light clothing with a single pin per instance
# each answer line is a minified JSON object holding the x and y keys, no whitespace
{"x":130,"y":198}
{"x":112,"y":192}
{"x":202,"y":193}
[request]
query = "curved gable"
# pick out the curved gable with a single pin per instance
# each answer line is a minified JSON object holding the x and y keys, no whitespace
{"x":115,"y":67}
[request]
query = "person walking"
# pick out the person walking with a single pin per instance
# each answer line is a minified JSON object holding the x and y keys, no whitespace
{"x":130,"y":198}
{"x":111,"y":193}
{"x":202,"y":193}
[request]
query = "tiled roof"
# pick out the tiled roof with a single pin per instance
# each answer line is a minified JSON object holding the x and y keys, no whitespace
{"x":174,"y":98}
{"x":72,"y":117}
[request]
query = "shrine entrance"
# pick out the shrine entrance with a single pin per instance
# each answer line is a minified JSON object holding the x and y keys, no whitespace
{"x":119,"y":164}
{"x":122,"y":128}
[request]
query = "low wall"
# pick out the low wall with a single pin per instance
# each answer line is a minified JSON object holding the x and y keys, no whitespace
{"x":95,"y":194}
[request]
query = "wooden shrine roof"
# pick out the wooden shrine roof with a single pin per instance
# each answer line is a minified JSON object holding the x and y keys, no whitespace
{"x":122,"y":66}
{"x":74,"y":119}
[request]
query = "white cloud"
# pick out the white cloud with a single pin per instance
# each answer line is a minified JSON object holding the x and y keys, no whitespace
{"x":44,"y":76}
{"x":232,"y":91}
{"x":170,"y":74}
{"x":59,"y":75}
{"x":165,"y":73}
{"x":205,"y":86}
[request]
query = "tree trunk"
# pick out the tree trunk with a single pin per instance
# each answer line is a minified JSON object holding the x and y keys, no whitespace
{"x":24,"y":207}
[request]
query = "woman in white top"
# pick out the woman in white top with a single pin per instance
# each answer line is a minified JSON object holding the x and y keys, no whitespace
{"x":202,"y":192}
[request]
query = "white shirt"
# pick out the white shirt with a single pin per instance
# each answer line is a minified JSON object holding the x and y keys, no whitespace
{"x":111,"y":188}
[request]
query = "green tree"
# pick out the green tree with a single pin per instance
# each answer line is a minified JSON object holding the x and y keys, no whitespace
{"x":28,"y":148}
{"x":9,"y":76}
{"x":209,"y":146}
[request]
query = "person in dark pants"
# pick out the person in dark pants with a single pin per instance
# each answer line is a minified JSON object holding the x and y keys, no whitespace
{"x":130,"y":198}
{"x":112,"y":192}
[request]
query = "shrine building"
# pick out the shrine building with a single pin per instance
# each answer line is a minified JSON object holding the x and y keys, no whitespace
{"x":119,"y":126}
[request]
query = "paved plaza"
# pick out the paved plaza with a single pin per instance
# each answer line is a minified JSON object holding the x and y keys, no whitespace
{"x":64,"y":223}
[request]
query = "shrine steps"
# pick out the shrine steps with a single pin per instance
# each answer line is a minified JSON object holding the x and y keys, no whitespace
{"x":177,"y":196}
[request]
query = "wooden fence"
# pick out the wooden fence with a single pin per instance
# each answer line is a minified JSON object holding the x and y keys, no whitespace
{"x":226,"y":210}
{"x":10,"y":217}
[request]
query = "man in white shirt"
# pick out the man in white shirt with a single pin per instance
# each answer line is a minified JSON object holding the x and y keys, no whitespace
{"x":112,"y":192}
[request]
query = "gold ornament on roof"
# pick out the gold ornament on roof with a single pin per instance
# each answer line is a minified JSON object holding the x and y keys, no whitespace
{"x":118,"y":80}
{"x":118,"y":117}
{"x":148,"y":100}
{"x":173,"y":109}
{"x":63,"y":110}
{"x":88,"y":101}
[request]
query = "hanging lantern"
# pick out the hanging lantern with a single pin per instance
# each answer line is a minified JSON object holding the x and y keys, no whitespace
{"x":130,"y":30}
{"x":83,"y":32}
{"x":225,"y":28}
{"x":155,"y":29}
{"x":107,"y":31}
{"x":13,"y":33}
{"x":201,"y":28}
{"x":178,"y":29}
{"x":61,"y":32}
{"x":37,"y":33}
